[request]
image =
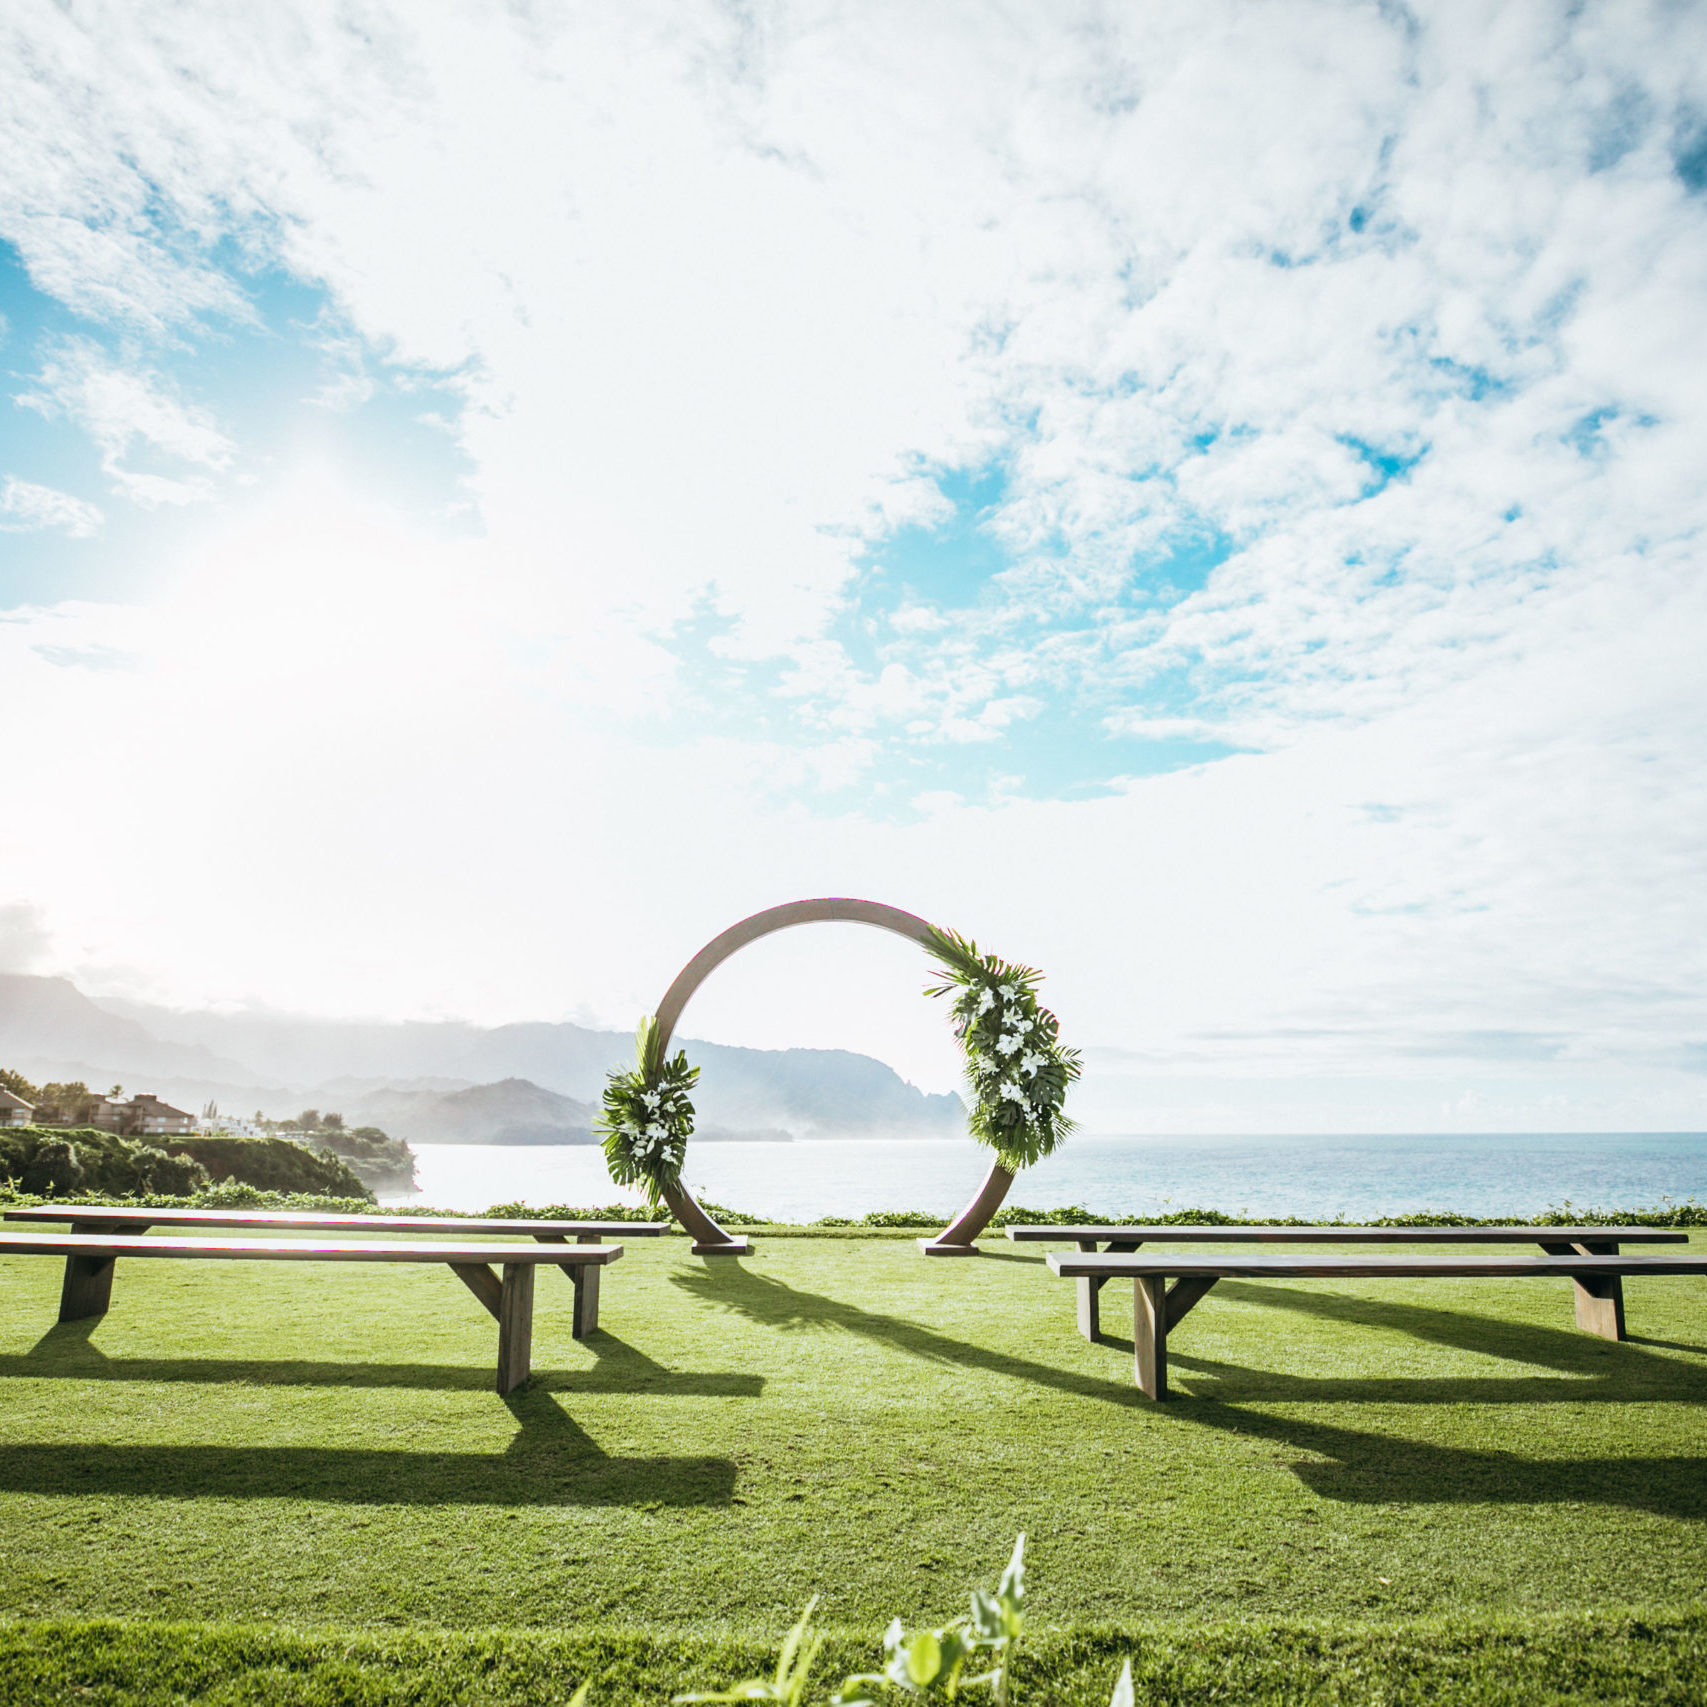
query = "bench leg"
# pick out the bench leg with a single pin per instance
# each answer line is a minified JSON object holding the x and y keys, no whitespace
{"x":1091,"y":1285}
{"x":1090,"y":1290}
{"x":483,"y":1283}
{"x":1600,"y":1297}
{"x":515,"y":1326}
{"x":585,"y":1316}
{"x":88,"y":1288}
{"x":1150,"y":1334}
{"x":1184,"y":1293}
{"x":1600,"y":1305}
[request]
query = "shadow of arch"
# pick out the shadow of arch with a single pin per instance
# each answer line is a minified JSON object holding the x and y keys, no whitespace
{"x":709,"y":1238}
{"x":773,"y":1303}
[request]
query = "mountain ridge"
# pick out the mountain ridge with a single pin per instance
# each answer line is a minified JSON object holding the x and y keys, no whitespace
{"x":528,"y":1073}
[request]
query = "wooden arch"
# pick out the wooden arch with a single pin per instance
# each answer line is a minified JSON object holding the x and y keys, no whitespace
{"x":710,"y":1239}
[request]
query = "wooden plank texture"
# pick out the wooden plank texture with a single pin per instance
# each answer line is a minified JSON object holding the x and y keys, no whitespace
{"x":1150,"y":1335}
{"x":584,"y":1313}
{"x":1209,"y":1234}
{"x":87,"y":1289}
{"x":95,"y":1215}
{"x":300,"y":1250}
{"x":1184,"y":1293}
{"x":515,"y":1326}
{"x":1274,"y":1265}
{"x":1089,"y":1288}
{"x":584,"y":1316}
{"x":482,"y":1282}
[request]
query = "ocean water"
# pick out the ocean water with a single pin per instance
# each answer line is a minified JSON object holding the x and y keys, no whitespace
{"x":1318,"y":1178}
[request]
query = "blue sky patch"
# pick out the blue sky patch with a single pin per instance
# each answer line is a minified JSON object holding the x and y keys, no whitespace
{"x":999,"y":690}
{"x":1385,"y":465}
{"x":292,"y":387}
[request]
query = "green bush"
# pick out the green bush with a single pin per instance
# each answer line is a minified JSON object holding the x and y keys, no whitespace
{"x":272,"y":1164}
{"x":59,"y":1162}
{"x":557,"y":1212}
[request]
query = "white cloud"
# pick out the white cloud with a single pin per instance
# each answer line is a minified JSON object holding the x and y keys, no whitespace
{"x":1136,"y":724}
{"x":26,"y":507}
{"x":346,"y":383}
{"x":128,"y":410}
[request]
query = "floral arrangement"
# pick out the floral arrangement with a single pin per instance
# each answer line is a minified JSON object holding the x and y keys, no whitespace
{"x":647,"y":1116}
{"x":1016,"y":1067}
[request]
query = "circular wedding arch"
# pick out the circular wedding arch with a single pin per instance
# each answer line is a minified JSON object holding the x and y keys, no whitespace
{"x":708,"y":1238}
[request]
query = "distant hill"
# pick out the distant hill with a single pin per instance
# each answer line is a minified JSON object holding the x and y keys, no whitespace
{"x":537,"y":1081}
{"x":512,"y":1111}
{"x":50,"y":1022}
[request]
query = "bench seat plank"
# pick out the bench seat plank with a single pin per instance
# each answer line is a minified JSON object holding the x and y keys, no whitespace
{"x":96,"y":1217}
{"x":1598,"y":1305}
{"x":301,"y":1250}
{"x":1210,"y":1233}
{"x":1156,"y":1307}
{"x":90,"y":1259}
{"x":1269,"y":1264}
{"x":308,"y":1221}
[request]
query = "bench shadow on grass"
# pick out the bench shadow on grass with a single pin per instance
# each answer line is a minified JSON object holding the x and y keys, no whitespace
{"x":1381,"y":1469}
{"x":1587,"y":1369}
{"x":64,"y":1351}
{"x":775,"y":1304}
{"x":550,"y":1461}
{"x":1372,"y":1468}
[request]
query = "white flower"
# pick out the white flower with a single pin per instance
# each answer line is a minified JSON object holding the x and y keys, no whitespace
{"x":1022,"y":1026}
{"x":986,"y":999}
{"x":1008,"y":1042}
{"x":651,"y":1098}
{"x":1030,"y":1062}
{"x":1010,"y":993}
{"x":1012,"y":1092}
{"x":656,"y":1131}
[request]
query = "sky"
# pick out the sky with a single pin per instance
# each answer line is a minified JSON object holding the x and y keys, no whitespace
{"x":1205,"y":499}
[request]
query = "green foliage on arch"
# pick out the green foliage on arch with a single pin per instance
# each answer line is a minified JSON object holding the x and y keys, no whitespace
{"x":1017,"y":1069}
{"x":647,"y":1116}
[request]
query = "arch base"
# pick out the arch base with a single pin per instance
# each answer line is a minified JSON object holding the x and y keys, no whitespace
{"x":709,"y":1240}
{"x":956,"y":1239}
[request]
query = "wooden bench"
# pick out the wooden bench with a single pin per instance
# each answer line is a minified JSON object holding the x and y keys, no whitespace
{"x":1600,"y":1303}
{"x":91,"y":1257}
{"x":109,"y":1218}
{"x":1158,"y":1308}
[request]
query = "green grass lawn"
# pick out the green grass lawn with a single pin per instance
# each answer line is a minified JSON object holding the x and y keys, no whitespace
{"x":320,"y":1448}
